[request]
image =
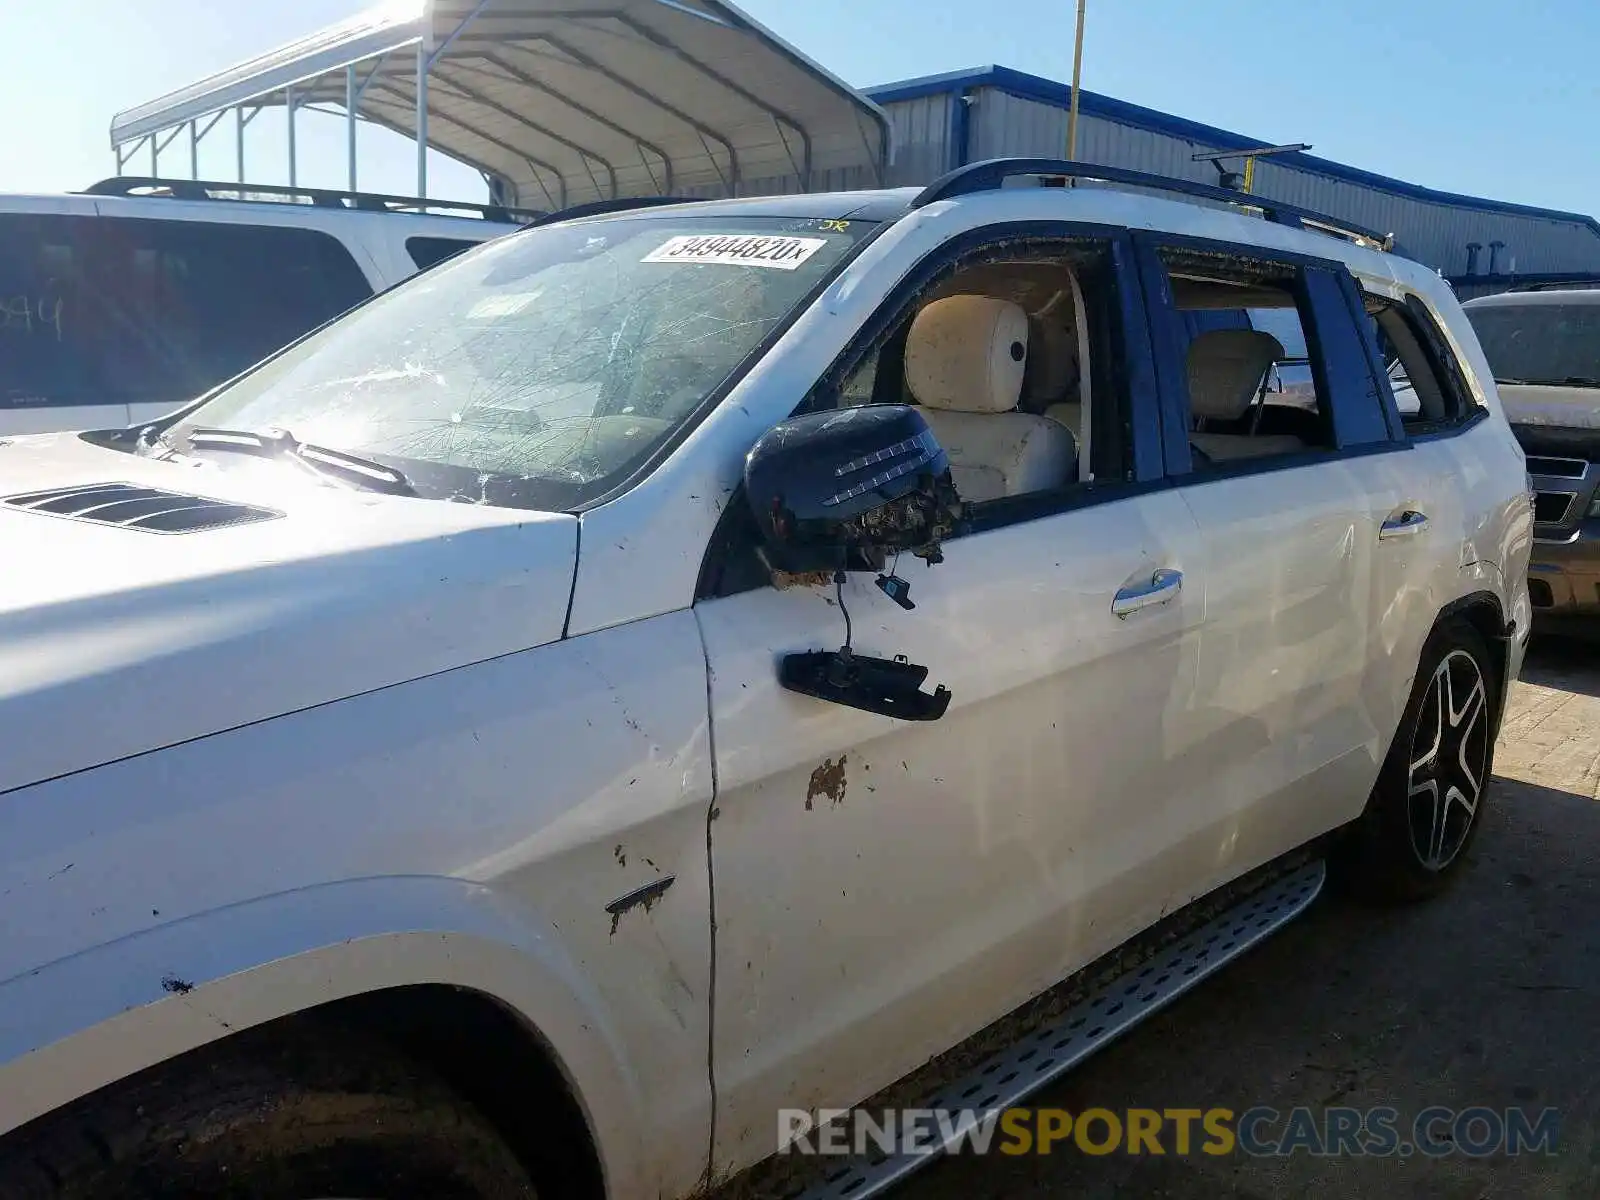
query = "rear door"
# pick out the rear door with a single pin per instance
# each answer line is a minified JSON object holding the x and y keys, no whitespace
{"x":1285,"y":485}
{"x":1431,"y":488}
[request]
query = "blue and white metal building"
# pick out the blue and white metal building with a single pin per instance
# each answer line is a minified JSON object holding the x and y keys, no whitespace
{"x":944,"y":121}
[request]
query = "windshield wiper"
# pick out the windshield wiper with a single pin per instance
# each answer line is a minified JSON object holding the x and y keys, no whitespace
{"x":1564,"y":381}
{"x":364,"y":473}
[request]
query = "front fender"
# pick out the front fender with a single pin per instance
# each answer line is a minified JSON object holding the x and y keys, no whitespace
{"x":102,"y":1014}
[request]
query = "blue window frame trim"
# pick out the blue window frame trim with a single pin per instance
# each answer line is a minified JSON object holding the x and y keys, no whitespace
{"x":1369,"y":344}
{"x":1344,"y":372}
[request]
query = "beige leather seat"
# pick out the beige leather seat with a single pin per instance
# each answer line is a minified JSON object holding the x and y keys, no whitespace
{"x":965,"y":358}
{"x":1226,"y":367}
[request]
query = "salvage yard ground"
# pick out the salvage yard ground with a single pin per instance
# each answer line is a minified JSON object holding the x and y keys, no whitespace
{"x":1487,"y":996}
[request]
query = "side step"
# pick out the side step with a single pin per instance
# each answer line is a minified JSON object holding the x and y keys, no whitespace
{"x":1110,"y":1008}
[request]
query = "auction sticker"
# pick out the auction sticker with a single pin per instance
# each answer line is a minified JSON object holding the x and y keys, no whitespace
{"x":737,"y":250}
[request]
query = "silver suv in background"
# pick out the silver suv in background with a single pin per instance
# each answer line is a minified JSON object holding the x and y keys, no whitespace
{"x":121,"y":303}
{"x":1544,"y":348}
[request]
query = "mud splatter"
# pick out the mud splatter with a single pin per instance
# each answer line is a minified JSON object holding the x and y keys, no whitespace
{"x":828,"y":780}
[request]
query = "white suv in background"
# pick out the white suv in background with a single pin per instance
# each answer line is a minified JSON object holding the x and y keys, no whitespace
{"x":124,"y":302}
{"x":665,"y":668}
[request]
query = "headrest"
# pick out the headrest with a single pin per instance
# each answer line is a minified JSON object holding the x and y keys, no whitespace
{"x":1226,"y":367}
{"x":968,"y":354}
{"x":1052,"y":363}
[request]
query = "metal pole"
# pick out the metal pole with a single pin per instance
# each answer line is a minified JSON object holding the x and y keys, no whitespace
{"x":155,"y":158}
{"x":288,"y":101}
{"x":1077,"y":74}
{"x":238,"y":137}
{"x":422,"y":117}
{"x":350,"y":119}
{"x":194,"y":151}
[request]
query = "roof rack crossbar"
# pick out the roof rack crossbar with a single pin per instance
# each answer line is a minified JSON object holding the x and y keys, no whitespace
{"x":992,"y":173}
{"x":202,"y":189}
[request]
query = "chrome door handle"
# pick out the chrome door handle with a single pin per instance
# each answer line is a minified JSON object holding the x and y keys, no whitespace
{"x":1135,"y":597}
{"x":1402,"y":525}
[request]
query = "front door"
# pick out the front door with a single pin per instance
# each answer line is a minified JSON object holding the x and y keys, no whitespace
{"x":885,"y":888}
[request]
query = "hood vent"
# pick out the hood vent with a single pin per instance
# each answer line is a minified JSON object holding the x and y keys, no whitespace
{"x":131,"y":506}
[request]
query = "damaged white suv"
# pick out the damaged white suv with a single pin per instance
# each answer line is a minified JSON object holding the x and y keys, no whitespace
{"x":667,"y":667}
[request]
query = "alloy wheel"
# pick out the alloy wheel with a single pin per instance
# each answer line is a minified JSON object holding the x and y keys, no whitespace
{"x":1449,"y":759}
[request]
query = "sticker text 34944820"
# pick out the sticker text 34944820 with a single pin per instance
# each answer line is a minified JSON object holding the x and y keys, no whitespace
{"x":783,"y":253}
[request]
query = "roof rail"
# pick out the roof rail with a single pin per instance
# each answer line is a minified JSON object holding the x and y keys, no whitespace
{"x":992,"y":173}
{"x":1574,"y":282}
{"x":595,"y":208}
{"x":202,"y":189}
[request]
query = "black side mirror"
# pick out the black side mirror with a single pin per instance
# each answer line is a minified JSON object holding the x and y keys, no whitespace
{"x":841,"y":490}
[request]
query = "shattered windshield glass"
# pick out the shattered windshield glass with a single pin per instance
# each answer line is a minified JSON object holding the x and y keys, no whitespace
{"x":540,"y":368}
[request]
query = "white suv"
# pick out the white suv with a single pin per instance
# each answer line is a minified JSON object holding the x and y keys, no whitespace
{"x":121,"y":303}
{"x":507,"y":740}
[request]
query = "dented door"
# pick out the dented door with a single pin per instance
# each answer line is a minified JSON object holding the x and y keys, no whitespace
{"x":886,"y":888}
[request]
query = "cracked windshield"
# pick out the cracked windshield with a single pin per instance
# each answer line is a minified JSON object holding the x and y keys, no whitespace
{"x":537,"y":370}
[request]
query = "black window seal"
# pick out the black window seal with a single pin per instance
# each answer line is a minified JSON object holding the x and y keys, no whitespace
{"x":1267,"y":463}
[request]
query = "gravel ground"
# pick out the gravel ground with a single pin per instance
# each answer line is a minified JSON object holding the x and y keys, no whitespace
{"x":1486,"y":996}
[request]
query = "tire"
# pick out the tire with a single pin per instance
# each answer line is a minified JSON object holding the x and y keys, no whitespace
{"x":281,"y":1117}
{"x":1427,"y":805}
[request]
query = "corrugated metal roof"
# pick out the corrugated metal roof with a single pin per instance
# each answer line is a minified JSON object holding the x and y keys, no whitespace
{"x":995,"y":112}
{"x":570,"y":100}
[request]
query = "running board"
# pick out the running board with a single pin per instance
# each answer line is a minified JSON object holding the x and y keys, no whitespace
{"x":1112,"y":1008}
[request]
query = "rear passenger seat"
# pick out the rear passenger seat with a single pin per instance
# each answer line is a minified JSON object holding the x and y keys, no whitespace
{"x":1226,"y":368}
{"x":1070,"y":415}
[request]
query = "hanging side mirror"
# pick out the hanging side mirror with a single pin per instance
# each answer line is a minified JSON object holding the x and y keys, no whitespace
{"x":840,"y":491}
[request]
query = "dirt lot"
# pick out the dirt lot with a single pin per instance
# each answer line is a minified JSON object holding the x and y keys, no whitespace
{"x":1487,"y":996}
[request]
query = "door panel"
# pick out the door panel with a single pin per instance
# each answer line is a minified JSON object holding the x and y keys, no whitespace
{"x":1419,"y":491}
{"x":886,"y":888}
{"x":1287,"y":740}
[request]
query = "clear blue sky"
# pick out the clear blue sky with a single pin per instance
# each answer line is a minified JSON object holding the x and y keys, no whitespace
{"x":1495,"y":99}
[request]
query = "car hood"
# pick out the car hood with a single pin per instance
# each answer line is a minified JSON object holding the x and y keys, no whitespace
{"x":115,"y":640}
{"x":1551,"y":405}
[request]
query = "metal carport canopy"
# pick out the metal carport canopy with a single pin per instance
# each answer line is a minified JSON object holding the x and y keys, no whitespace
{"x":564,"y":101}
